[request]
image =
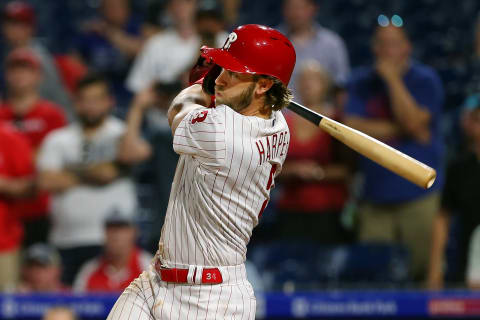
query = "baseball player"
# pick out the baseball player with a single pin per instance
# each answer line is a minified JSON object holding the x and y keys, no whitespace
{"x":229,"y":157}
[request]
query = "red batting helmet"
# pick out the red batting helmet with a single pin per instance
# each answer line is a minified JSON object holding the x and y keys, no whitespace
{"x":255,"y":49}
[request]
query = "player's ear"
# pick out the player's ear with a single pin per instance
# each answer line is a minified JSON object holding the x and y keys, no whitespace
{"x":263,"y":85}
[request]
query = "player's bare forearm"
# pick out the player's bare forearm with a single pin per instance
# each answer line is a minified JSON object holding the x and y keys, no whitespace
{"x":188,"y":99}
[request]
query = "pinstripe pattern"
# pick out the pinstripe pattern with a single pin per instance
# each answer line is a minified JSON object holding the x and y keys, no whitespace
{"x":219,"y":188}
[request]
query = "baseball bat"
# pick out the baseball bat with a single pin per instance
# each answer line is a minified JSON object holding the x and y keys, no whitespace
{"x":386,"y":156}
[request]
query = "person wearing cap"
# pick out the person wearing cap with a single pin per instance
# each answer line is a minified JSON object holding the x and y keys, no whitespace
{"x":18,"y":30}
{"x":459,"y":202}
{"x":41,"y":270}
{"x":78,"y":165}
{"x":399,"y":101}
{"x":167,"y":55}
{"x":16,"y":183}
{"x":229,"y":157}
{"x":120,"y":262}
{"x":35,"y":118}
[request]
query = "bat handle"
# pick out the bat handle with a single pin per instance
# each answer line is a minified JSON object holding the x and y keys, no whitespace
{"x":306,"y":113}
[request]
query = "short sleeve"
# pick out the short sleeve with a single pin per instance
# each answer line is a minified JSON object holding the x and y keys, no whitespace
{"x":201,"y":134}
{"x":356,"y":101}
{"x":50,"y":156}
{"x":429,"y":92}
{"x":473,"y":265}
{"x":341,"y":62}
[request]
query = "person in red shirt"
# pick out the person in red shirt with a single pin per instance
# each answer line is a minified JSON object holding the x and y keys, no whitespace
{"x":16,"y":168}
{"x":34,"y":117}
{"x":121,"y":262}
{"x":314,"y":181}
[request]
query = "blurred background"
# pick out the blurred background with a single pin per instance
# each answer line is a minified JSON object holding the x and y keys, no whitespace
{"x":86,"y":158}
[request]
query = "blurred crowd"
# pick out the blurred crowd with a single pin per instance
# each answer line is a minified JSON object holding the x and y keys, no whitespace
{"x":86,"y":158}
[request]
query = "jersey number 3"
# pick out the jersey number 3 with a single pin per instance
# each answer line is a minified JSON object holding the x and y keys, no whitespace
{"x":200,"y":117}
{"x":269,"y":186}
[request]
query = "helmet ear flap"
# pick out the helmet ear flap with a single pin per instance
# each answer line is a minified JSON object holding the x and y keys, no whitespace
{"x":209,"y":79}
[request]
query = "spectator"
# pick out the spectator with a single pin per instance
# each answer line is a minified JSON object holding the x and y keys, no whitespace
{"x":313,"y":177}
{"x":460,"y":200}
{"x":78,"y":165}
{"x":121,"y":261}
{"x":210,"y":23}
{"x":312,"y":41}
{"x":16,"y":168}
{"x":18,"y":30}
{"x":60,"y":313}
{"x":398,"y":101}
{"x":153,"y":143}
{"x":231,"y":11}
{"x":156,"y":19}
{"x":168,"y":54}
{"x":34,"y":117}
{"x":41,"y":270}
{"x":109,"y":44}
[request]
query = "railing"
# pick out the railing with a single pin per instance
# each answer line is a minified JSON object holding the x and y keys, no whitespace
{"x":325,"y":304}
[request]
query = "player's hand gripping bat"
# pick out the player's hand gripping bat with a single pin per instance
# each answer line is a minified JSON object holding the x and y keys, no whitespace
{"x":386,"y":156}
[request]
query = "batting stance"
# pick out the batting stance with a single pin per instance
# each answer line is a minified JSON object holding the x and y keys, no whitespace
{"x":229,"y":157}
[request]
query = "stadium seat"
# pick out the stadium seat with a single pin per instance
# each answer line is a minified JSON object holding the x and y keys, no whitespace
{"x":308,"y":265}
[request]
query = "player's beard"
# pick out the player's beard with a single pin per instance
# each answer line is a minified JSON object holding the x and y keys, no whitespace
{"x":238,"y":102}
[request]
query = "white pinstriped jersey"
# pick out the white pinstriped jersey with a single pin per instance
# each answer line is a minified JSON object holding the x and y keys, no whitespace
{"x":222,"y":183}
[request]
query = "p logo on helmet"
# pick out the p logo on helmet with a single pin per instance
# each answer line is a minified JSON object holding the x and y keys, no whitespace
{"x":232,"y":37}
{"x":254,"y":49}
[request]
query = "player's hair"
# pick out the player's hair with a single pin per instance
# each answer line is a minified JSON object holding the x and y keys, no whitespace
{"x":90,"y":79}
{"x":278,"y":96}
